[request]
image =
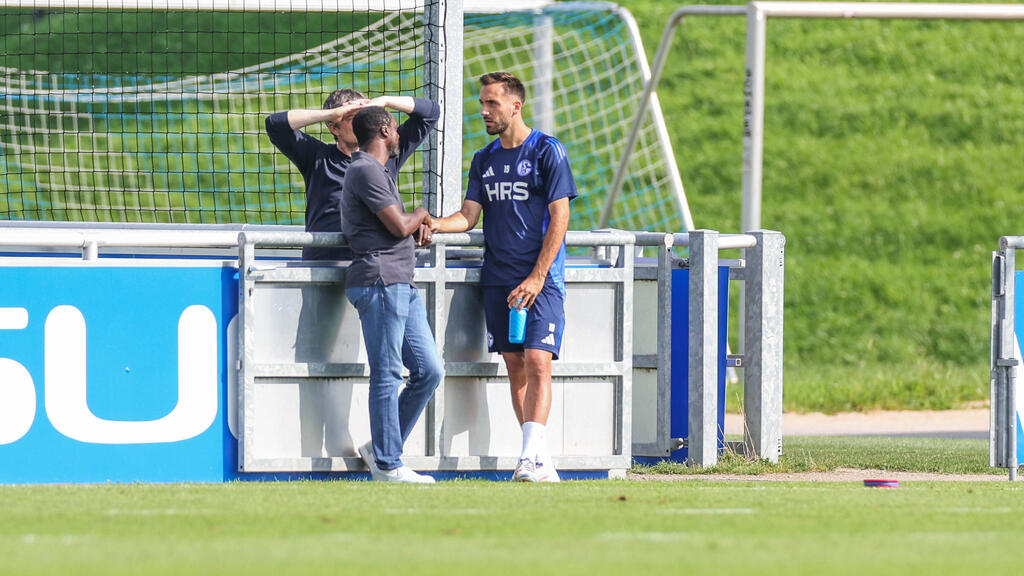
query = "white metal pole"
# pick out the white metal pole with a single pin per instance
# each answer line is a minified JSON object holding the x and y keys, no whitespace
{"x":892,"y":10}
{"x":753,"y":119}
{"x":753,"y":141}
{"x":443,"y":74}
{"x":543,"y":78}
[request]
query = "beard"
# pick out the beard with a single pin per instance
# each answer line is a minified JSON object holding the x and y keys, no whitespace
{"x":497,"y":127}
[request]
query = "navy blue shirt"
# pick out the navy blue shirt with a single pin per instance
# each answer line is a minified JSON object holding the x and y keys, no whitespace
{"x":323,"y":168}
{"x":515,"y":186}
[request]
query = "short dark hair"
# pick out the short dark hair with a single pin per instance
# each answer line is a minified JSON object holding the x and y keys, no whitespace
{"x":512,"y":84}
{"x":342,"y":96}
{"x":368,"y":122}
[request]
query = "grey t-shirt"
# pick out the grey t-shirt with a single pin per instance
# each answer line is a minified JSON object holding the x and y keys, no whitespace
{"x":377,"y":255}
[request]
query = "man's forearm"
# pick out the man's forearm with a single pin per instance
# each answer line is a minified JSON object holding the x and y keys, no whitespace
{"x":401,"y":223}
{"x":553,"y":240}
{"x":455,"y":223}
{"x":403,"y":104}
{"x":298,"y":119}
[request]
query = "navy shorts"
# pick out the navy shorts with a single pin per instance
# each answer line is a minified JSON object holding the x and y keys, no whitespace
{"x":545,"y":320}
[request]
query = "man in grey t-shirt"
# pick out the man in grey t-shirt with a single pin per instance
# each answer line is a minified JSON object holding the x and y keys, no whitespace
{"x":379,"y":285}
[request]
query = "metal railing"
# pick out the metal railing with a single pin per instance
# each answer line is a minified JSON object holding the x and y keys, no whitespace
{"x":1004,"y":357}
{"x":762,"y":271}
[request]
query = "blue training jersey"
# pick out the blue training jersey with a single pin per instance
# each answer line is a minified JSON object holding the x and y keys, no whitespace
{"x":515,"y":186}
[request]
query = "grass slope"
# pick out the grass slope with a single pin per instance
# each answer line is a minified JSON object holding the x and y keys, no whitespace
{"x":892,"y":163}
{"x":473,"y":527}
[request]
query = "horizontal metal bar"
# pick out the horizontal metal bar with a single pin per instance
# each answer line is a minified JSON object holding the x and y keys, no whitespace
{"x":645,"y":360}
{"x":147,"y":226}
{"x":653,"y":239}
{"x":470,"y":6}
{"x":558,"y":369}
{"x":725,"y":241}
{"x":891,"y":10}
{"x":294,"y":239}
{"x":599,"y":238}
{"x":649,"y":449}
{"x":433,"y":463}
{"x":703,"y":10}
{"x":299,"y":274}
{"x":483,"y":463}
{"x":312,"y":370}
{"x":1015,"y":242}
{"x":276,"y":273}
{"x":226,"y":5}
{"x":644,"y":272}
{"x":472,"y":238}
{"x":595,"y":275}
{"x":502,"y":6}
{"x":452,"y":369}
{"x":80,"y":238}
{"x":286,"y":236}
{"x":306,"y":464}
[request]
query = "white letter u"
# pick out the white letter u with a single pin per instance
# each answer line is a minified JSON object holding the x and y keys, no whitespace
{"x":65,"y":395}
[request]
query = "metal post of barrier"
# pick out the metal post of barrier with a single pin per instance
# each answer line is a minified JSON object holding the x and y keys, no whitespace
{"x":666,"y":264}
{"x":996,"y":424}
{"x":434,"y":413}
{"x":702,"y":441}
{"x":762,"y":359}
{"x":246,"y":329}
{"x":1008,"y":361}
{"x":1004,"y":361}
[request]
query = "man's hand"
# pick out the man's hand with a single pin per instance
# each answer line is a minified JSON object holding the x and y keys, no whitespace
{"x":425,"y":233}
{"x":424,"y":236}
{"x":351,"y":107}
{"x":524,"y":295}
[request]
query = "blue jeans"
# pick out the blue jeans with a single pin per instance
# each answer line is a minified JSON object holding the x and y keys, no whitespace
{"x":396,"y":333}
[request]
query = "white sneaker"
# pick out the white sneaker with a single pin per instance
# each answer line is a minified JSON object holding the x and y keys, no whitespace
{"x":526,"y":471}
{"x":369,"y":458}
{"x":546,"y":471}
{"x":403,"y":474}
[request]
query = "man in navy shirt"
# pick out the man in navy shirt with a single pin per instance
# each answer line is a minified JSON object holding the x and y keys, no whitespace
{"x":323,"y":165}
{"x":522,"y":183}
{"x":379,"y":285}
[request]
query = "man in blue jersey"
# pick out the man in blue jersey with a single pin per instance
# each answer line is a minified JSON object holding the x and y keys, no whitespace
{"x":522,"y":183}
{"x":323,"y":165}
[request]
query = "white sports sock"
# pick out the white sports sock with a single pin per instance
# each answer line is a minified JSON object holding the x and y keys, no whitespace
{"x":533,"y":440}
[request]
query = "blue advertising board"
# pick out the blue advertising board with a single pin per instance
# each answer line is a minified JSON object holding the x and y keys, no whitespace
{"x":115,"y":373}
{"x":681,"y":359}
{"x":679,"y":416}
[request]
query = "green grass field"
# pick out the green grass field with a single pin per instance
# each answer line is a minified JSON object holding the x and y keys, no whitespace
{"x":579,"y":527}
{"x":475,"y":527}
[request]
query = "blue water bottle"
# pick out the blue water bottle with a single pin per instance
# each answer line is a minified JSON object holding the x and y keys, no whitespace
{"x":516,"y":325}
